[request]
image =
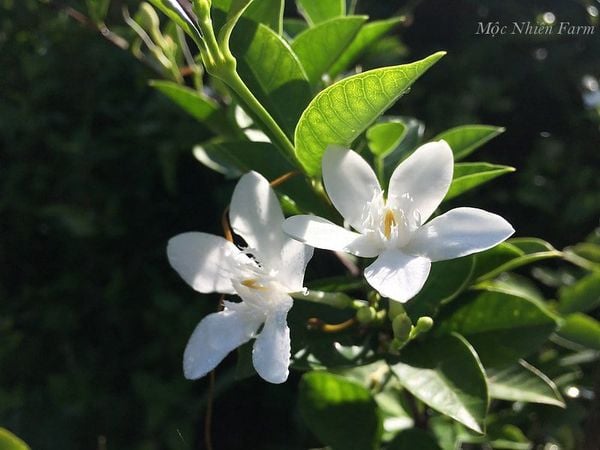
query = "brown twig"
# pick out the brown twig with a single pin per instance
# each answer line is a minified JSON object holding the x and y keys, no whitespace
{"x":318,"y":324}
{"x":283,"y":178}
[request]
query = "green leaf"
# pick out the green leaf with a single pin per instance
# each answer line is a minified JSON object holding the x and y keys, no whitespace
{"x":368,"y":34}
{"x":582,"y":296}
{"x":413,"y":439}
{"x":414,"y":134}
{"x":8,"y":441}
{"x":446,"y":374}
{"x":267,"y":12}
{"x":319,"y":47}
{"x":581,"y":329}
{"x":293,"y":27}
{"x":195,"y":103}
{"x":234,"y":13}
{"x":523,"y":383}
{"x":272,"y":72}
{"x":340,"y":412}
{"x":182,"y":17}
{"x":446,"y":280}
{"x":235,"y":158}
{"x":97,"y":9}
{"x":502,"y":327}
{"x":317,"y":11}
{"x":465,"y":139}
{"x":510,"y":255}
{"x":341,"y":112}
{"x":383,"y":137}
{"x":470,"y":175}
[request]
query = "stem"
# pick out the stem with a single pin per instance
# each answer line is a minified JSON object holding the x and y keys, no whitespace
{"x":234,"y":81}
{"x":335,"y":299}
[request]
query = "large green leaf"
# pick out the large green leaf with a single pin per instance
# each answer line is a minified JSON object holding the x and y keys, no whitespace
{"x":523,"y":383}
{"x":502,"y":327}
{"x":340,"y":412}
{"x":582,"y":296}
{"x":470,"y":175}
{"x":341,"y":112}
{"x":581,"y":329}
{"x":446,"y":374}
{"x":268,"y":12}
{"x":317,"y":11}
{"x":383,"y":137}
{"x":446,"y":280}
{"x":195,"y":103}
{"x":181,"y":16}
{"x":413,"y":439}
{"x":368,"y":34}
{"x":272,"y":72}
{"x":235,"y":158}
{"x":8,"y":441}
{"x":465,"y":139}
{"x":319,"y":47}
{"x":510,"y":255}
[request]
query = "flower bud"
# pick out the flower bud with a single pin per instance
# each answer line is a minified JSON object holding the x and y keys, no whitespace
{"x":402,"y":326}
{"x":424,"y":324}
{"x":366,"y":314}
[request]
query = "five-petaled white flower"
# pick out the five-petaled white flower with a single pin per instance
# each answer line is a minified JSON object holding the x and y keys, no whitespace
{"x":394,"y":229}
{"x":262,"y":274}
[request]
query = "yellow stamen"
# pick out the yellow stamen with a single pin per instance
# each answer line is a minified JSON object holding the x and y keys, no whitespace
{"x":253,"y":283}
{"x":388,"y":222}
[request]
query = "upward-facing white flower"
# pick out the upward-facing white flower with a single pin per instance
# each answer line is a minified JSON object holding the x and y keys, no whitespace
{"x":394,"y":229}
{"x":262,"y":275}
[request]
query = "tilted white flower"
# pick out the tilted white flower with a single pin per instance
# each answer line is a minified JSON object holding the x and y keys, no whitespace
{"x":263,"y":274}
{"x":394,"y":229}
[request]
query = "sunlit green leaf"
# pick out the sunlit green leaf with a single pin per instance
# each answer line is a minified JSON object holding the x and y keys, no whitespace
{"x":465,"y":139}
{"x":383,"y":137}
{"x":182,"y":17}
{"x":8,"y":441}
{"x":293,"y":27}
{"x":510,"y":255}
{"x":341,"y":112}
{"x":502,"y":327}
{"x":582,"y":296}
{"x":267,"y":12}
{"x":317,"y":11}
{"x":470,"y":175}
{"x":271,"y":70}
{"x":446,"y":374}
{"x":523,"y":383}
{"x":581,"y":329}
{"x":411,"y":140}
{"x":368,"y":34}
{"x":340,"y":412}
{"x":319,"y":47}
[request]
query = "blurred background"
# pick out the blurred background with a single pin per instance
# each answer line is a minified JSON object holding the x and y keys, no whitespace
{"x":96,"y":174}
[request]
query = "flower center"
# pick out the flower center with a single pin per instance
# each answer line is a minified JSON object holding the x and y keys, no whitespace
{"x":388,"y":222}
{"x":253,"y":283}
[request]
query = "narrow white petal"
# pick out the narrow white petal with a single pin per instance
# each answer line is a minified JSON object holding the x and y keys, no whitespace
{"x":459,"y":232}
{"x":397,"y":275}
{"x":350,"y":183}
{"x":321,"y":233}
{"x":215,"y":336}
{"x":205,"y":261}
{"x":255,"y":214}
{"x":272,"y":349}
{"x":419,"y":183}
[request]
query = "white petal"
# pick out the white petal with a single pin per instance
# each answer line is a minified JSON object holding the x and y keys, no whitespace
{"x":217,"y":335}
{"x":321,"y":233}
{"x":419,"y":183}
{"x":350,"y":183}
{"x":255,"y":214}
{"x":294,"y":258}
{"x":459,"y":232}
{"x":271,"y":353}
{"x":205,"y":261}
{"x":398,"y":276}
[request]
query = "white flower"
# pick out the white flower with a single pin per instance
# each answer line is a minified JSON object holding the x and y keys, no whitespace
{"x":262,"y":275}
{"x":393,"y":229}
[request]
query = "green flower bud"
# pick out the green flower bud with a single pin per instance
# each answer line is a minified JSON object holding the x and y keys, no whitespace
{"x":402,"y":326}
{"x":424,"y":324}
{"x":366,"y":314}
